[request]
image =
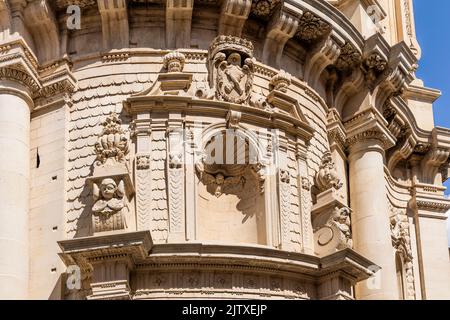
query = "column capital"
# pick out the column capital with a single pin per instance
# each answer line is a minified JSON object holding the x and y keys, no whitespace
{"x":368,"y":126}
{"x":19,"y":64}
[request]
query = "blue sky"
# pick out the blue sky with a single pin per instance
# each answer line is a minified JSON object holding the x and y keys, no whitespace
{"x":433,"y":33}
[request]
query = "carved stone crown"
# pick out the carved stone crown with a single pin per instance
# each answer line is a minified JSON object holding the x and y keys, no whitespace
{"x":112,"y":145}
{"x":231,"y":43}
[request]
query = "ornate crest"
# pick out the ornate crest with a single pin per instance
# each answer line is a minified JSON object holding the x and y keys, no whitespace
{"x":231,"y":68}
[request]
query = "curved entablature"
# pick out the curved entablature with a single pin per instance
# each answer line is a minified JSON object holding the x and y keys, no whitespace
{"x":335,"y":60}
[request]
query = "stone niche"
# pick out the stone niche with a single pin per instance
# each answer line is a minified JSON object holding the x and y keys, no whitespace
{"x":230,"y":198}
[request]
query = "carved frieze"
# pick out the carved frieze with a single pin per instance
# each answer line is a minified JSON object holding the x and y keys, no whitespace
{"x":264,"y":8}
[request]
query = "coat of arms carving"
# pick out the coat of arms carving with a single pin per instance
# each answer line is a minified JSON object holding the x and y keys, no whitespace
{"x":231,"y":68}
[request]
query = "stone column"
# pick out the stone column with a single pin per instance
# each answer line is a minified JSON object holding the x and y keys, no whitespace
{"x":15,"y":105}
{"x":368,"y":197}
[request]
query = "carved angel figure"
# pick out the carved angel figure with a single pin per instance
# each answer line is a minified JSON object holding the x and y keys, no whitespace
{"x":220,"y":182}
{"x":108,"y":197}
{"x":341,"y":218}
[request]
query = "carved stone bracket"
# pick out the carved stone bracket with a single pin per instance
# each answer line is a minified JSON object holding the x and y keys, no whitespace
{"x":233,"y":16}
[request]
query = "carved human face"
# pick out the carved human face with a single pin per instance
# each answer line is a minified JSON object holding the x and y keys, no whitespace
{"x":108,"y":188}
{"x":220,"y":179}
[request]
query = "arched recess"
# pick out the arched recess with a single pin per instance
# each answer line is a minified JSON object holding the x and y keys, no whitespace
{"x":231,"y":204}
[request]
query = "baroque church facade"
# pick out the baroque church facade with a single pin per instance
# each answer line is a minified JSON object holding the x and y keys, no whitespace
{"x":218,"y":149}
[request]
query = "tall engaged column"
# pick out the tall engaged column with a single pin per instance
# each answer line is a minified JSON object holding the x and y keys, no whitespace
{"x":368,"y":198}
{"x":15,"y":106}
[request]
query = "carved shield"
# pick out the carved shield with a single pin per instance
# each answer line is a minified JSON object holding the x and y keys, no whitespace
{"x":234,"y":82}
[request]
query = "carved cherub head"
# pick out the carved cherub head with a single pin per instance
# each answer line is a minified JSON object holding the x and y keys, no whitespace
{"x":108,"y":188}
{"x":220,"y":179}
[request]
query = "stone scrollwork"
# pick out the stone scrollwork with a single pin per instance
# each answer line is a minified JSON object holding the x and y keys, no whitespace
{"x":219,"y":181}
{"x":374,"y":65}
{"x":226,"y":178}
{"x":327,"y":176}
{"x":281,"y":81}
{"x":336,"y":233}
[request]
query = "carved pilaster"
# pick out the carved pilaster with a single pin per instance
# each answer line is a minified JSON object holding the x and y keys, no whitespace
{"x":284,"y":178}
{"x":175,"y":169}
{"x":143,"y":191}
{"x":305,"y":199}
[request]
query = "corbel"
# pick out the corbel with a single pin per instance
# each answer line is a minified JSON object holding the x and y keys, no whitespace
{"x":178,"y":23}
{"x":233,"y":15}
{"x":282,"y":27}
{"x":114,"y":14}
